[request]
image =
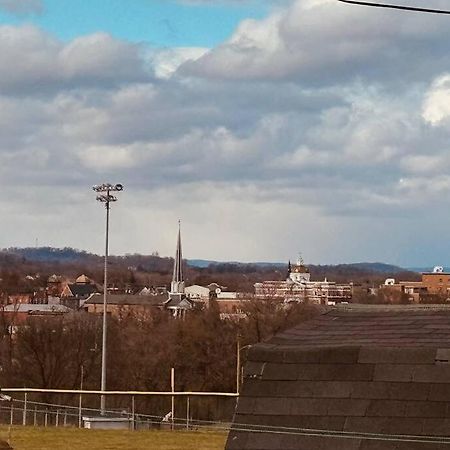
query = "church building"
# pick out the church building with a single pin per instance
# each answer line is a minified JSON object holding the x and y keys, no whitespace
{"x":178,"y":302}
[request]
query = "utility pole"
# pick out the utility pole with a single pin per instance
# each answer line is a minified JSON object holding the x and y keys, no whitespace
{"x":105,"y":197}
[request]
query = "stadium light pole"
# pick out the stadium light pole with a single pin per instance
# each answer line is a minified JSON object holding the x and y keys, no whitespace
{"x":104,"y":196}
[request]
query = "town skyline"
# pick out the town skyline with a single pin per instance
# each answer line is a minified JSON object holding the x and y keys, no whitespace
{"x":223,"y":116}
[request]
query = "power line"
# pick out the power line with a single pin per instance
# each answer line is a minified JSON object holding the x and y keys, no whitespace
{"x":401,"y":7}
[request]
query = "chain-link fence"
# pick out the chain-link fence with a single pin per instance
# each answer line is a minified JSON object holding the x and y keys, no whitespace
{"x":187,"y":412}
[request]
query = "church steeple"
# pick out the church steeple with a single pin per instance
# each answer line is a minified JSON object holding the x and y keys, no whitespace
{"x":289,"y":270}
{"x":177,"y":285}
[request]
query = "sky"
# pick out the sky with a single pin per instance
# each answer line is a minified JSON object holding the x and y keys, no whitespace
{"x":268,"y":127}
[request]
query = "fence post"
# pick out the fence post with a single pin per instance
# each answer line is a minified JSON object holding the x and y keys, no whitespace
{"x":79,"y":412}
{"x":24,"y":414}
{"x":65,"y":417}
{"x":57,"y":418}
{"x":35,"y":416}
{"x":46,"y":418}
{"x":133,"y":414}
{"x":11,"y":422}
{"x":172,"y":383}
{"x":187,"y":413}
{"x":80,"y":400}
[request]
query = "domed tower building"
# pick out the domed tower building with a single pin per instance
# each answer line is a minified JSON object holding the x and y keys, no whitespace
{"x":299,"y":273}
{"x":298,"y":287}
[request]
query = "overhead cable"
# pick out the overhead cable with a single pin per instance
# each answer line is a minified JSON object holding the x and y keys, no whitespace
{"x":401,"y":7}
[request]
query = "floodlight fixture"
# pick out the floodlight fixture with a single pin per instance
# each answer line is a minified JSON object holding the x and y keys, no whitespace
{"x":107,"y":187}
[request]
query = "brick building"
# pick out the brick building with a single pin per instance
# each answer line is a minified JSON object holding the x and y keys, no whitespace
{"x":434,"y":286}
{"x":121,"y":305}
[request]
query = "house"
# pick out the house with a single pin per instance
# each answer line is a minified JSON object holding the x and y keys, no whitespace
{"x":152,"y":290}
{"x":298,"y":287}
{"x":357,"y":377}
{"x":197,"y":293}
{"x":119,"y":305}
{"x":55,"y":285}
{"x":20,"y":298}
{"x":74,"y":294}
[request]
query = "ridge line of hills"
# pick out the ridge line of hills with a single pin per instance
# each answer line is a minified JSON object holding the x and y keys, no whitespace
{"x":71,"y":255}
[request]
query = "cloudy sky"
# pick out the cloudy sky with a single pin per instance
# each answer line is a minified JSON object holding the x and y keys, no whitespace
{"x":268,"y":127}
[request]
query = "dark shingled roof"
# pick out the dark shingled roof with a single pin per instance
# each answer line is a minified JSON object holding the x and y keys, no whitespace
{"x":351,"y":370}
{"x":82,"y":290}
{"x":380,"y":326}
{"x":128,"y":299}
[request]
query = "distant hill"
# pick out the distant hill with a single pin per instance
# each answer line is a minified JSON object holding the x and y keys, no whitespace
{"x":376,"y":267}
{"x":50,"y":254}
{"x":151,"y":263}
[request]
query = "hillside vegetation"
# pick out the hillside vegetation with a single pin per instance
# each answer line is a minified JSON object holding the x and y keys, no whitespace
{"x":156,"y":270}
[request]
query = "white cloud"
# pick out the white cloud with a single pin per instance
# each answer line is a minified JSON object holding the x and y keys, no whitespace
{"x":306,"y":120}
{"x":436,"y":107}
{"x":324,"y":42}
{"x":43,"y":63}
{"x":166,"y":61}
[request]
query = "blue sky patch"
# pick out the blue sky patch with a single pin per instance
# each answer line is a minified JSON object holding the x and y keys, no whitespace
{"x":162,"y":23}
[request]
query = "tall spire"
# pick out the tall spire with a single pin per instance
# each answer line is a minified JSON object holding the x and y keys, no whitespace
{"x":289,"y":269}
{"x":177,"y":286}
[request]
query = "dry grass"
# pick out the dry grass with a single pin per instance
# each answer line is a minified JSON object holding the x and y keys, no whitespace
{"x":37,"y":438}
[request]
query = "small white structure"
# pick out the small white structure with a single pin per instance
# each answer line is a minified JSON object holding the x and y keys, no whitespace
{"x":108,"y":423}
{"x":226,"y":295}
{"x":197,"y":292}
{"x":438,"y":269}
{"x":389,"y":282}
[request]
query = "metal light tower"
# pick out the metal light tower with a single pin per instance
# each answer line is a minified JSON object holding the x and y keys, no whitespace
{"x":105,"y":197}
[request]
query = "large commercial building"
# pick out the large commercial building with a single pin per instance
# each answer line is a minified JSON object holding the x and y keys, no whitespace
{"x":298,"y":287}
{"x":434,"y":287}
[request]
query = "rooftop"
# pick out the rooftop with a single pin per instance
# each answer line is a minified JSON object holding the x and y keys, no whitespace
{"x":143,"y":300}
{"x":350,"y":379}
{"x":378,"y":325}
{"x":36,"y":308}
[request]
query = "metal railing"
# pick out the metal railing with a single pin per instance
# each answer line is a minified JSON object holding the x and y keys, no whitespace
{"x":24,"y":411}
{"x":31,"y":413}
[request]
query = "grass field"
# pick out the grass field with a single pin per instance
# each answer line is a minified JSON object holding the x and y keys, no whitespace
{"x":31,"y":438}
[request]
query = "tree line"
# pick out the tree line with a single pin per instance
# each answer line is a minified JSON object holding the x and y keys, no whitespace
{"x":55,"y":352}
